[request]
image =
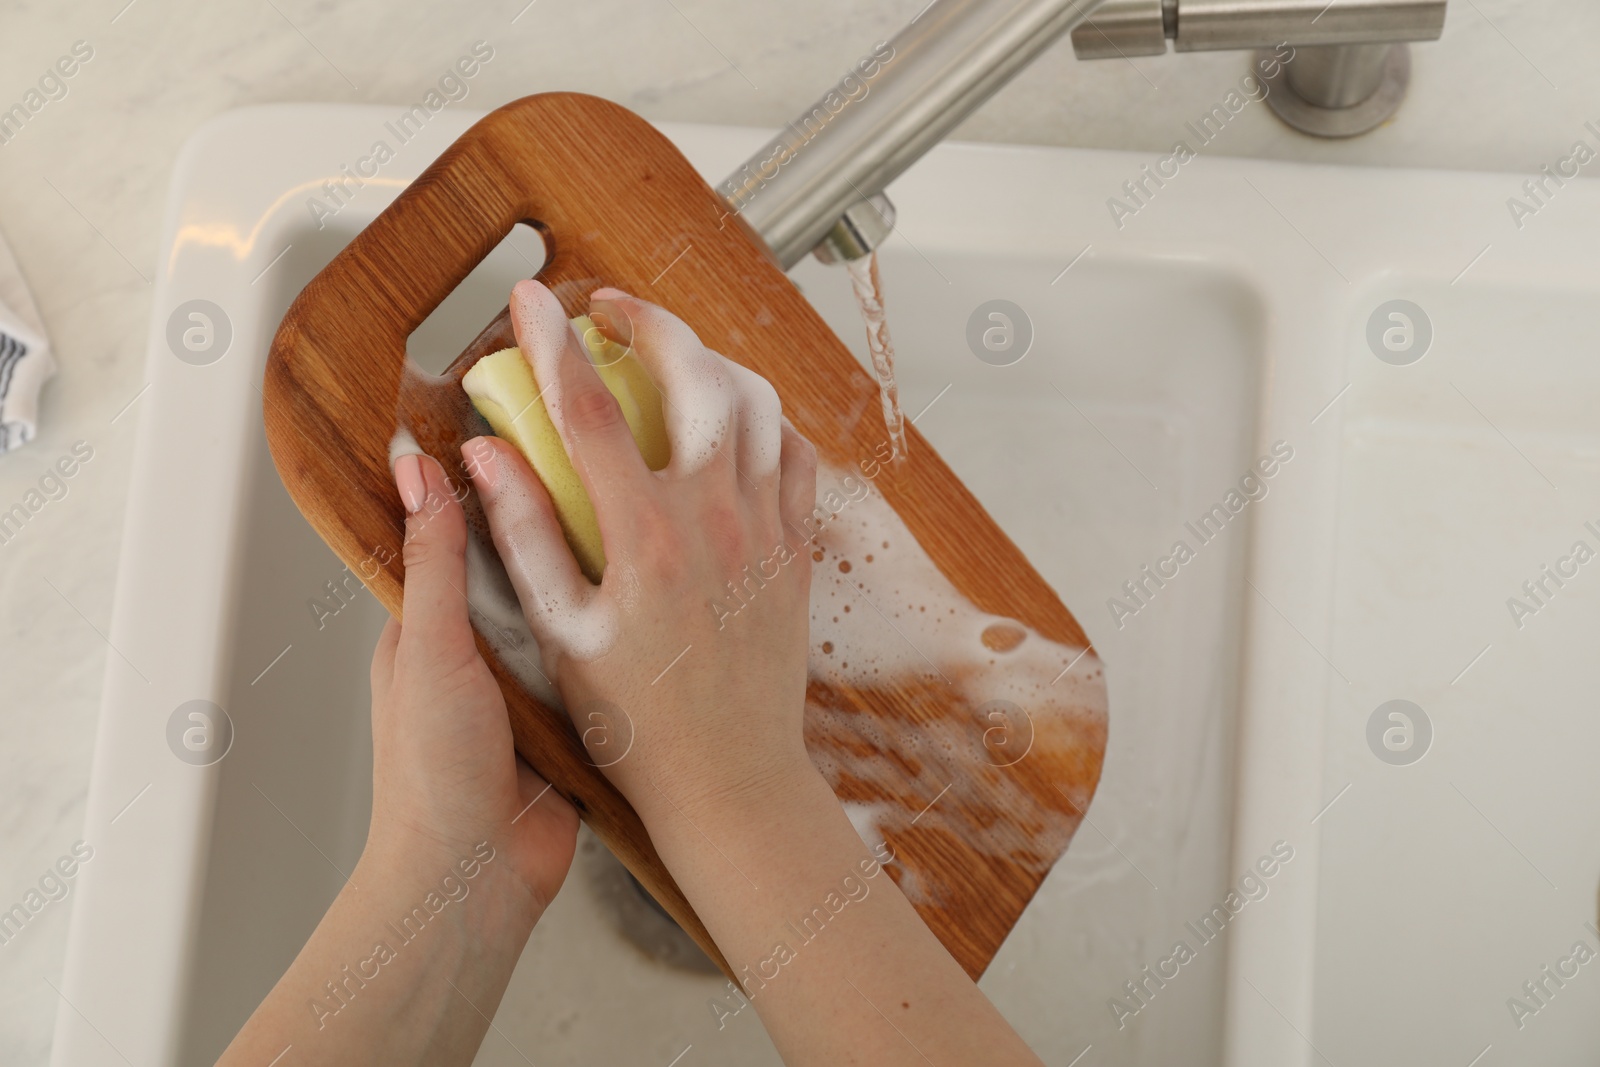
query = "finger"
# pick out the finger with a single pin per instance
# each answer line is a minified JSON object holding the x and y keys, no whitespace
{"x":554,"y":594}
{"x":797,"y":484}
{"x":696,"y":389}
{"x":585,"y":414}
{"x":434,"y":608}
{"x":383,"y":660}
{"x":760,"y":426}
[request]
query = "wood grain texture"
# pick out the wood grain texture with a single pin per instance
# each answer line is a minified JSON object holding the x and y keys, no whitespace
{"x":618,"y":205}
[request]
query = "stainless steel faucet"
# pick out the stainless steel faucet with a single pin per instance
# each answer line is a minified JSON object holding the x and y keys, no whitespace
{"x":818,"y":185}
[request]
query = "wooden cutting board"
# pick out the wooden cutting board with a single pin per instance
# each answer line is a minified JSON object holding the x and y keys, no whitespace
{"x":977,"y":799}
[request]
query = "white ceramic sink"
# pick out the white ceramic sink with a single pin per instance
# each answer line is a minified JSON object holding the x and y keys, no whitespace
{"x":1229,"y":314}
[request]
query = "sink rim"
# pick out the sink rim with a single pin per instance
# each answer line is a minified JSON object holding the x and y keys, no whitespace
{"x":1304,"y":365}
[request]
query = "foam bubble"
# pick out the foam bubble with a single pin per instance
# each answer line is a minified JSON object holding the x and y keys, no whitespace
{"x":497,"y":615}
{"x":698,"y":387}
{"x":567,"y":613}
{"x":402,"y":444}
{"x":698,"y":396}
{"x":760,"y":422}
{"x":865,"y":818}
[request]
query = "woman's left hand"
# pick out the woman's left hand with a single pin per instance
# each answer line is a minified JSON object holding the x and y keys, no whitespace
{"x":466,"y":848}
{"x":445,"y":774}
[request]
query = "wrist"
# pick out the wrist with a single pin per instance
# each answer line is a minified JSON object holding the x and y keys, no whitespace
{"x":406,"y":939}
{"x":696,"y":804}
{"x":472,"y":891}
{"x":741,"y":823}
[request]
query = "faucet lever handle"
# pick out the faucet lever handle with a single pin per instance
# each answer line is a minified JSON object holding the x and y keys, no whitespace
{"x":1118,"y":29}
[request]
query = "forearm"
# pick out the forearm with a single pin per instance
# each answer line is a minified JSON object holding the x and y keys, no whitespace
{"x":405,"y":968}
{"x":827,"y":949}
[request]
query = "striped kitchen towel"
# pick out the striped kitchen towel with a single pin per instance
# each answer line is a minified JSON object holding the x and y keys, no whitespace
{"x":25,"y":359}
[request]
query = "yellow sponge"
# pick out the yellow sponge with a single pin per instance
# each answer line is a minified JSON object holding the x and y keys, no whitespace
{"x":503,"y":389}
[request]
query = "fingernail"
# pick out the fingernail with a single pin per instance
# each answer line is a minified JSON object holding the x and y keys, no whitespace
{"x":483,"y":463}
{"x":408,"y":479}
{"x":607,"y":293}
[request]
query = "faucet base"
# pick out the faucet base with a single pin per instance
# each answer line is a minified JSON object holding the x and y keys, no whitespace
{"x":1376,"y":79}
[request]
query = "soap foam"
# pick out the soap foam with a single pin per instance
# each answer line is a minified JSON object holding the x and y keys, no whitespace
{"x":698,"y":395}
{"x":402,"y":444}
{"x":961,"y":698}
{"x":760,"y":422}
{"x":569,"y":614}
{"x":865,"y":818}
{"x":699,"y":389}
{"x":497,"y":615}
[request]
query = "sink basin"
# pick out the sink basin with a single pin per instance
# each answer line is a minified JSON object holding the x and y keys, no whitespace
{"x":1221,"y":370}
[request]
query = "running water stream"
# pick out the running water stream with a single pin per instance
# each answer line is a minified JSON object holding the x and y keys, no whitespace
{"x":869,"y":296}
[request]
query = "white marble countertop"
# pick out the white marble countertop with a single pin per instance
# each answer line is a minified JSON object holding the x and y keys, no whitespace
{"x":82,"y":191}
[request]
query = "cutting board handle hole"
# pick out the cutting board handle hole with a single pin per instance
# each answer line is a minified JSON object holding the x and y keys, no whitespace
{"x":479,"y":297}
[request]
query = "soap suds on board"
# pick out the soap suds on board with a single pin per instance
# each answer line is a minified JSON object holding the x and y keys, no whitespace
{"x":988,"y":694}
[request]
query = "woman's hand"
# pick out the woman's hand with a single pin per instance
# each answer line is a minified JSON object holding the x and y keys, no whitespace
{"x":445,"y":774}
{"x":466,"y":848}
{"x":690,"y":656}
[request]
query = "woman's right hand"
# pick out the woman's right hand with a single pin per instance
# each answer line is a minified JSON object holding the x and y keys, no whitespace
{"x":711,"y":699}
{"x":685,"y":669}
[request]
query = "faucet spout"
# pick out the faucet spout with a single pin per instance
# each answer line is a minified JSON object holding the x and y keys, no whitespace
{"x":828,"y":168}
